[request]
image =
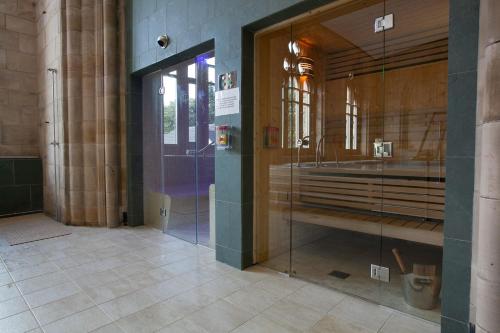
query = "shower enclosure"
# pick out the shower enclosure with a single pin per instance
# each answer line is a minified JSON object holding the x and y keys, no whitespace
{"x":178,"y":147}
{"x":352,"y":196}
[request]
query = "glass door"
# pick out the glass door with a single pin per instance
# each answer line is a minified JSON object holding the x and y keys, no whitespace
{"x":188,"y":148}
{"x":413,"y":149}
{"x":350,"y":194}
{"x":179,"y":151}
{"x":205,"y":148}
{"x":336,"y":112}
{"x":154,"y":197}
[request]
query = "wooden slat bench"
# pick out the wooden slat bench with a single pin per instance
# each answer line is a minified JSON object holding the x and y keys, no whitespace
{"x":402,"y":207}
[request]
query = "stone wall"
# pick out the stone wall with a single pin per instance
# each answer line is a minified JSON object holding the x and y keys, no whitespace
{"x":19,"y":121}
{"x":48,"y":21}
{"x":485,"y":296}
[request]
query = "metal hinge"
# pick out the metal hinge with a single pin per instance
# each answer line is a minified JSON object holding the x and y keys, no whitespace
{"x":384,"y":23}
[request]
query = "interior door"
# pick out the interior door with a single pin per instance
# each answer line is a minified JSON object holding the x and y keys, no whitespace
{"x":188,"y":173}
{"x":179,"y":151}
{"x":414,"y":144}
{"x":154,"y":198}
{"x":336,"y":106}
{"x":205,"y":148}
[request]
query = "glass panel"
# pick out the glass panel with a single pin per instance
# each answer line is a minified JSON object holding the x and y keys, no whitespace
{"x":413,"y":151}
{"x":152,"y":149}
{"x":192,"y":112}
{"x":179,"y":162}
{"x":336,"y":181}
{"x":275,"y":117}
{"x":205,"y":142}
{"x":170,"y":108}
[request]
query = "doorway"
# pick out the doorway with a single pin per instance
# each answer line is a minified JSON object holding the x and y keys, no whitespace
{"x":179,"y":152}
{"x":351,"y":193}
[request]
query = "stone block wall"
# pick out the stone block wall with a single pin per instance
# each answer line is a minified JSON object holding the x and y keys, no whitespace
{"x":48,"y":23}
{"x":19,"y":121}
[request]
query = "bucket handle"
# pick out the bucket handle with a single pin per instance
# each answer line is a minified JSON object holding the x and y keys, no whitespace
{"x":421,"y":283}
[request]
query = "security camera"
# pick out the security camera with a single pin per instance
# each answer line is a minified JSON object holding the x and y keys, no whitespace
{"x":163,"y":41}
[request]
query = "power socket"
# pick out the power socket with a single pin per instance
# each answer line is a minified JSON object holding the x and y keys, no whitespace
{"x":380,"y":273}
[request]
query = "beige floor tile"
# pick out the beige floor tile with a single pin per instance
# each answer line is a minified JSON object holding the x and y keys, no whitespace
{"x":361,"y":313}
{"x":8,"y":291}
{"x":184,"y":326}
{"x":150,"y":319}
{"x":191,"y":301}
{"x":280,"y":285}
{"x":252,"y":299}
{"x":24,"y":261}
{"x":97,"y":279}
{"x":318,"y":298}
{"x":166,"y":289}
{"x":32,"y":271}
{"x":262,"y":324}
{"x":329,"y":324}
{"x":198,"y":276}
{"x":110,"y":291}
{"x":123,"y":306}
{"x":221,"y":287}
{"x":292,"y":315}
{"x":145,"y":279}
{"x":44,"y":296}
{"x":167,"y":258}
{"x":401,"y":323}
{"x":19,"y":323}
{"x":220,"y":316}
{"x":36,"y":330}
{"x":62,"y":308}
{"x":42,"y":282}
{"x":134,"y":268}
{"x":110,"y":328}
{"x":12,"y":306}
{"x":181,"y":267}
{"x":81,"y":322}
{"x":5,"y":279}
{"x":252,"y":274}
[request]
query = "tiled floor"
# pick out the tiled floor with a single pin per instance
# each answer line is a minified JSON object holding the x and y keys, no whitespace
{"x":140,"y":280}
{"x":353,"y":253}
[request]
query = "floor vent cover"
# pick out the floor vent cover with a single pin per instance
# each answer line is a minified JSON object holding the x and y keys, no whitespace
{"x":339,"y":274}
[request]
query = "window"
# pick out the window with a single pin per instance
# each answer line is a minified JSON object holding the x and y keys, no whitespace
{"x":298,"y":111}
{"x":351,"y":120}
{"x":211,"y":99}
{"x":170,"y":108}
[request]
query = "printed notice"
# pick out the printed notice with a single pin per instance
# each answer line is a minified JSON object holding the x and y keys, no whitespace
{"x":227,"y":101}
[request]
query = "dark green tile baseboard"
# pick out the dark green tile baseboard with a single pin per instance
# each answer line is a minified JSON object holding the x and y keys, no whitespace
{"x":21,"y":185}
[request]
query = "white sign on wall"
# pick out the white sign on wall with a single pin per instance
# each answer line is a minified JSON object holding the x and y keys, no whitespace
{"x":227,"y":101}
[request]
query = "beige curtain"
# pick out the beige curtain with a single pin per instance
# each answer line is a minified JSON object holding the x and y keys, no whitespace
{"x":92,"y":111}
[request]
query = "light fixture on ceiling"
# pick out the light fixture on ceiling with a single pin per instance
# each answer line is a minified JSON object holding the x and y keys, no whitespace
{"x":303,"y":66}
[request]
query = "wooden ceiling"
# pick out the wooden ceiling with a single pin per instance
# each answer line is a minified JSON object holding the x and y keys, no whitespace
{"x":352,"y":26}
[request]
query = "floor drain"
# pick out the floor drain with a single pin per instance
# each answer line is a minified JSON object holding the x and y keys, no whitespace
{"x":339,"y":274}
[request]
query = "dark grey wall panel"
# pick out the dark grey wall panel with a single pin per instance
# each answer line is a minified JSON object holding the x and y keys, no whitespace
{"x":462,"y":91}
{"x":21,"y":185}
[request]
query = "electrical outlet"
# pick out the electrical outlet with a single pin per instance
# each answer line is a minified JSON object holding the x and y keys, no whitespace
{"x":380,"y":273}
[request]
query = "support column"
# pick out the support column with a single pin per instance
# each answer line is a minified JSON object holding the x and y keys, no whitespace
{"x":487,"y":275}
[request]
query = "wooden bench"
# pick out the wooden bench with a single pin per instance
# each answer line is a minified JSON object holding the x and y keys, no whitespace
{"x":402,"y":207}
